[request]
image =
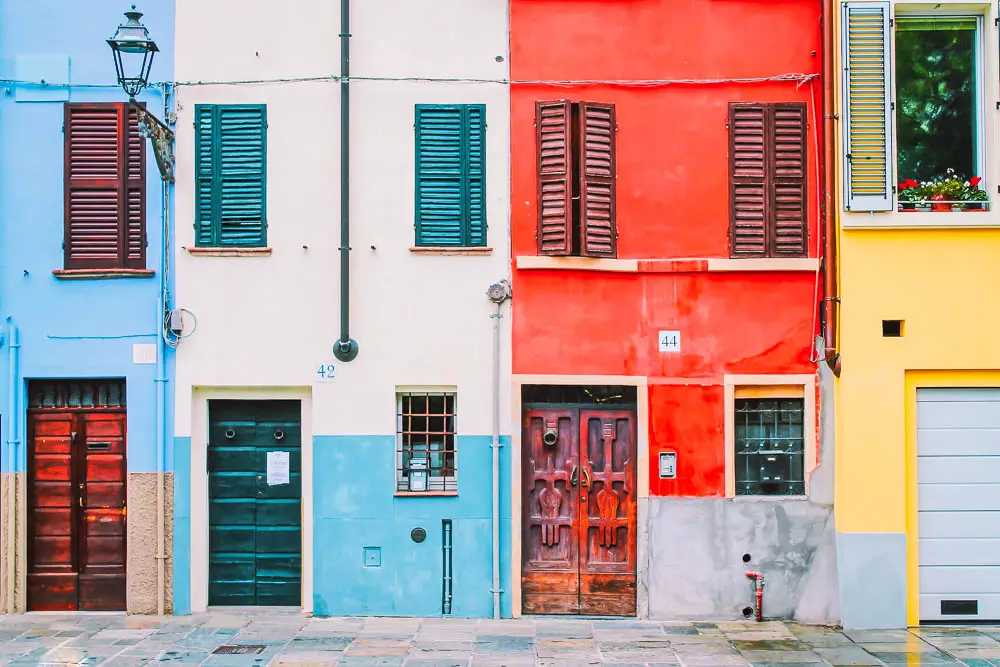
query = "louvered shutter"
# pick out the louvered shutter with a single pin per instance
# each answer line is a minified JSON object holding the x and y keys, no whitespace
{"x":136,"y":193}
{"x":555,"y":212}
{"x":104,"y":188}
{"x":450,"y":175}
{"x":475,"y":175}
{"x":231,"y":168}
{"x":787,"y":180}
{"x":867,"y":107}
{"x":748,"y":170}
{"x":598,"y":234}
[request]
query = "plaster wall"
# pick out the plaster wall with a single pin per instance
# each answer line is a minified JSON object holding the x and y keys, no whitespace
{"x":930,"y":270}
{"x":71,"y":328}
{"x":267,"y":323}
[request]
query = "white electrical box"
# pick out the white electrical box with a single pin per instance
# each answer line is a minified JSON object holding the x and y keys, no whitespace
{"x":668,"y":465}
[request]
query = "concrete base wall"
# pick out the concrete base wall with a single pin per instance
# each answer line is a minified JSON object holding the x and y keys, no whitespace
{"x":12,"y":528}
{"x":695,"y":567}
{"x":872,"y":579}
{"x":142,"y":555}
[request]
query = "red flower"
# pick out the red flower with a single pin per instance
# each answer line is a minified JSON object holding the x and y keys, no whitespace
{"x":910,"y":183}
{"x":975,"y":180}
{"x":903,"y":186}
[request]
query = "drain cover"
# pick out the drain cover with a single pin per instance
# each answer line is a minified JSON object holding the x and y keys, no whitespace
{"x":238,"y":649}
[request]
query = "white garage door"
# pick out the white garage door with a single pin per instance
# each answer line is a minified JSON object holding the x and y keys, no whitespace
{"x":958,"y":450}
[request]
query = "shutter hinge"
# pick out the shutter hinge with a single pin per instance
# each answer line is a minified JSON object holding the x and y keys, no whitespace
{"x":996,"y":22}
{"x":892,"y":106}
{"x":892,"y":22}
{"x":63,"y":245}
{"x":64,"y":128}
{"x":848,"y":156}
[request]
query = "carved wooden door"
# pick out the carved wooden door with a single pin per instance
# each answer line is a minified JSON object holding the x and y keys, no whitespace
{"x":579,"y":512}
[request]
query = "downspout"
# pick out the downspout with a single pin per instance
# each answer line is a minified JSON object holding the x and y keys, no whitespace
{"x":831,"y":297}
{"x":497,"y":293}
{"x":13,"y":440}
{"x":345,"y":349}
{"x":161,"y":391}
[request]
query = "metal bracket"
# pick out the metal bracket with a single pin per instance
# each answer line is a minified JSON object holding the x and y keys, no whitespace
{"x":162,"y":139}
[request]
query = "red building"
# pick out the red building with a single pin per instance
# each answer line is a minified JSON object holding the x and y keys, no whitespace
{"x":666,"y":159}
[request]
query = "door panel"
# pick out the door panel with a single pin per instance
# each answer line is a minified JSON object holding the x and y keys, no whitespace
{"x":76,"y":505}
{"x":255,"y":536}
{"x":579,"y":512}
{"x":550,"y":570}
{"x":608,"y":516}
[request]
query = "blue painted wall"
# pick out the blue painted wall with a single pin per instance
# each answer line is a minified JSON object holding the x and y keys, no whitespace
{"x":354,"y":508}
{"x":72,"y":329}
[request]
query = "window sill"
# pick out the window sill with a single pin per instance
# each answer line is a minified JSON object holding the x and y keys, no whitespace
{"x":229,"y":252}
{"x":695,"y":265}
{"x":101,"y":274}
{"x":921,"y":220}
{"x":757,"y":499}
{"x":426,"y":494}
{"x":448,"y":250}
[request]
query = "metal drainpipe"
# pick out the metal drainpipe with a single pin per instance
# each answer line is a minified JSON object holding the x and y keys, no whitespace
{"x":345,"y":349}
{"x":13,"y":430}
{"x":497,"y":293}
{"x":831,"y":298}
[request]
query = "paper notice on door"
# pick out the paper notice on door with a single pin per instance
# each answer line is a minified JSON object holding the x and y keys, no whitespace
{"x":277,"y":468}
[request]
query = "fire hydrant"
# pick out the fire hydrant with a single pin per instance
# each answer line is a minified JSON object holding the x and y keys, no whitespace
{"x":758,"y":577}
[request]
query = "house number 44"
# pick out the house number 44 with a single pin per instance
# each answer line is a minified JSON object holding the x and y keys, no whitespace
{"x":670,"y":341}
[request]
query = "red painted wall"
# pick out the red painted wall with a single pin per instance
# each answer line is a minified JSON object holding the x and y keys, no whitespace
{"x":672,"y":202}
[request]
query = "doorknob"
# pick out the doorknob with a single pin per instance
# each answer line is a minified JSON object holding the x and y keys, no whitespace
{"x":572,"y":476}
{"x":586,"y":477}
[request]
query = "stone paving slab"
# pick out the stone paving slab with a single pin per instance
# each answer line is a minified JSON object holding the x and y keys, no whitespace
{"x":292,"y":640}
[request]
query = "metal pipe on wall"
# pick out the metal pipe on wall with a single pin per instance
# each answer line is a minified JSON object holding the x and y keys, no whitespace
{"x":13,"y":439}
{"x":345,"y":349}
{"x":496,"y":461}
{"x":831,"y":298}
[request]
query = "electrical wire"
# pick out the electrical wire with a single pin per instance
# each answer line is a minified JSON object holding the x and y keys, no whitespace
{"x":793,"y":77}
{"x":169,"y":337}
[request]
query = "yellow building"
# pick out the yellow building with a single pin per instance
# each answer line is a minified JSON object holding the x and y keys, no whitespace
{"x":918,"y":398}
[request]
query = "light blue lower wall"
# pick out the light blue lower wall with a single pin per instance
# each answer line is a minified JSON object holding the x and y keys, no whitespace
{"x":872,"y":575}
{"x":182,"y":526}
{"x":353,"y":484}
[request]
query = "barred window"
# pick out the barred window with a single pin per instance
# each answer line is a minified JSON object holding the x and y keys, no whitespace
{"x":425,"y":442}
{"x":770,"y":447}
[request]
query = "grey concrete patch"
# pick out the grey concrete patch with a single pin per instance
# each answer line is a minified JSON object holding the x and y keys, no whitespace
{"x":847,"y":655}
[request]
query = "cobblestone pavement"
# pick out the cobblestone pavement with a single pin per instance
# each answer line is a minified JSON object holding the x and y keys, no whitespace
{"x":289,"y":639}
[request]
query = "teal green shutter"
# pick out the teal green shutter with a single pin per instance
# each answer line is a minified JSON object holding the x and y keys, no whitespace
{"x":231,"y":166}
{"x":450,"y":175}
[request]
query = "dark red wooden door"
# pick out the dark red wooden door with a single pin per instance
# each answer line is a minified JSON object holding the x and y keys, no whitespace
{"x":607,"y":513}
{"x":76,"y":501}
{"x":578,"y":512}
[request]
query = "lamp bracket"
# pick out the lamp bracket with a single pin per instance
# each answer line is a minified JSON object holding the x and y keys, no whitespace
{"x":162,"y":139}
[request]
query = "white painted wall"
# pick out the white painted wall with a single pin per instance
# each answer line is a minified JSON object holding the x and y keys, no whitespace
{"x":271,"y":321}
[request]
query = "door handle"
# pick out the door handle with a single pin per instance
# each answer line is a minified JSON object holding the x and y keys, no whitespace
{"x":585,"y":482}
{"x":572,"y":476}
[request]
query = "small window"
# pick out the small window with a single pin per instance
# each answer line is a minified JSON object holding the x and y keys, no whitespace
{"x":451,"y":175}
{"x":425,"y":442}
{"x":576,"y":178}
{"x":769,"y":442}
{"x":105,"y":188}
{"x":231,"y":175}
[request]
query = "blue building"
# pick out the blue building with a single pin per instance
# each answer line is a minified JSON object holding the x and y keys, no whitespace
{"x":84,"y":286}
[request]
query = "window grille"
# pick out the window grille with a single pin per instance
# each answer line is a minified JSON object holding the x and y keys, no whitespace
{"x":770,"y":447}
{"x":425,"y":442}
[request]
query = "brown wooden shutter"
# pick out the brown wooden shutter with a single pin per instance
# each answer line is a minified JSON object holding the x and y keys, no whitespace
{"x":555,"y":212}
{"x":136,"y":171}
{"x":598,"y":233}
{"x":788,"y":180}
{"x":748,"y":171}
{"x":104,"y":188}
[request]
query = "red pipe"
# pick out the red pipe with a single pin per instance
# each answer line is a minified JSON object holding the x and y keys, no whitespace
{"x":758,"y":577}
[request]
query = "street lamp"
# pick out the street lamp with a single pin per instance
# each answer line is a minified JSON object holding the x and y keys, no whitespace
{"x":133,"y":51}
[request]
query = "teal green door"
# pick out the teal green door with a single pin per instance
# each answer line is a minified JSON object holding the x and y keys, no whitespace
{"x":255,"y":503}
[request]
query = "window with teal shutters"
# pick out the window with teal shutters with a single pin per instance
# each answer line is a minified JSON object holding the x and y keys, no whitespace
{"x":231,"y":173}
{"x":451,"y":175}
